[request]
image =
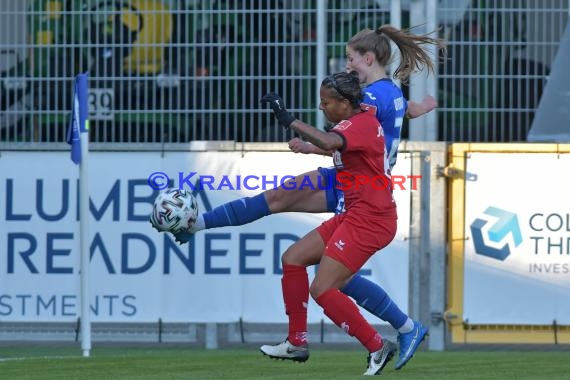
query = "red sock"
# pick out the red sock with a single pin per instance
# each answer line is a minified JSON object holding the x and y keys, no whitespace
{"x":344,"y":313}
{"x":295,"y":286}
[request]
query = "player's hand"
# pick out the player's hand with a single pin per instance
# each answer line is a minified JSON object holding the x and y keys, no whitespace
{"x":299,"y":146}
{"x":276,"y":103}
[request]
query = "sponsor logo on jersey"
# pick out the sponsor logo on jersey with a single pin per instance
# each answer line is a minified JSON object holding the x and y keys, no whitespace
{"x":344,"y":124}
{"x":340,"y":244}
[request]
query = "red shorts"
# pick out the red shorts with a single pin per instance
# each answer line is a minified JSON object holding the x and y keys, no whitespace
{"x":353,"y":239}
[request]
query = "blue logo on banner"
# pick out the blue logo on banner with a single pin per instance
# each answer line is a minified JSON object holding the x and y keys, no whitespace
{"x":507,"y":223}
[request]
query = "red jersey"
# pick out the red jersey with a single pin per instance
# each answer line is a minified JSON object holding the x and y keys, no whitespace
{"x":362,"y":166}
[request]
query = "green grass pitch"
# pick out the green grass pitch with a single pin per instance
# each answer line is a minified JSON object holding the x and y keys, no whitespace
{"x":109,"y":363}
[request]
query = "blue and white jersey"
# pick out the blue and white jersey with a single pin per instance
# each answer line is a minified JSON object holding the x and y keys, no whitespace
{"x":386,"y":100}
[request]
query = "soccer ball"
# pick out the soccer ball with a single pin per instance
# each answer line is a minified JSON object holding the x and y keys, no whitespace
{"x":174,"y":210}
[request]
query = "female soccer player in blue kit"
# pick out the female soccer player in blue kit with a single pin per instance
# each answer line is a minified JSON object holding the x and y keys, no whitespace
{"x":368,"y":54}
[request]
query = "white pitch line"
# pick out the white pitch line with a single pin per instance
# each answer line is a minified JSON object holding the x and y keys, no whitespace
{"x":34,"y":357}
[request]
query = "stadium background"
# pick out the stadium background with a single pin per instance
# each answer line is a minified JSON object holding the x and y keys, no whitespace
{"x":164,"y":76}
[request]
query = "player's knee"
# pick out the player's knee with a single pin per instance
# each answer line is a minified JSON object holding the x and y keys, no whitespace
{"x":286,"y":260}
{"x":316,"y":290}
{"x":293,"y":256}
{"x":276,"y":200}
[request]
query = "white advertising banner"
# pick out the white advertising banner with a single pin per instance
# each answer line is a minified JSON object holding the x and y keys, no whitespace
{"x":517,"y":252}
{"x":139,"y":275}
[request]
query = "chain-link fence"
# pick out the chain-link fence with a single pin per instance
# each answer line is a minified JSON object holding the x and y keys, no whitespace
{"x":177,"y":71}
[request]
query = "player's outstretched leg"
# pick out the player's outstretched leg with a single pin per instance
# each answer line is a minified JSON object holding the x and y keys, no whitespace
{"x":289,"y":197}
{"x":235,"y":213}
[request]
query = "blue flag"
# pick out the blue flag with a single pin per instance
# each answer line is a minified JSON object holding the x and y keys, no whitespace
{"x":78,"y":122}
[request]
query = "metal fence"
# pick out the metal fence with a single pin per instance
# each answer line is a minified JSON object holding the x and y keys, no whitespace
{"x":177,"y":71}
{"x":499,"y":58}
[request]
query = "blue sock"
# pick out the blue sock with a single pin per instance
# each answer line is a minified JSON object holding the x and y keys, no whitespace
{"x":374,"y":299}
{"x":238,"y":212}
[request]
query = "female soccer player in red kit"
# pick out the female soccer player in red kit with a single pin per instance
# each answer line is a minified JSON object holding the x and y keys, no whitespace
{"x":342,"y":244}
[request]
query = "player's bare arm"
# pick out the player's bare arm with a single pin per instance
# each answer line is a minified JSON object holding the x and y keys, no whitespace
{"x":418,"y":109}
{"x":299,"y":146}
{"x":326,"y":141}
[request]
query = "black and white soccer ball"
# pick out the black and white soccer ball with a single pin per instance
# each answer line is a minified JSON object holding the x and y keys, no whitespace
{"x":174,"y":210}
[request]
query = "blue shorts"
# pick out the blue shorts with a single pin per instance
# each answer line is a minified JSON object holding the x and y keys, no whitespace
{"x":335,"y":197}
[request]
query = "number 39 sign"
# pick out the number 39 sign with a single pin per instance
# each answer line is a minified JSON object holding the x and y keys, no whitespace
{"x":101,"y":104}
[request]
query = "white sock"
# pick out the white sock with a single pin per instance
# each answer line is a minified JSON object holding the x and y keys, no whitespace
{"x":407,"y":326}
{"x":199,"y":224}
